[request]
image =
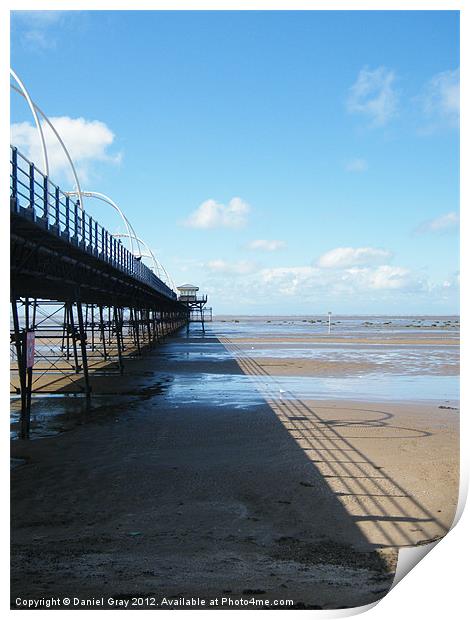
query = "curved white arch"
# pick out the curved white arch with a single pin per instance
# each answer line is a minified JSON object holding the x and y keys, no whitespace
{"x":24,"y":93}
{"x":131,"y":234}
{"x":36,"y":108}
{"x":157,"y":264}
{"x":149,"y":253}
{"x":170,"y":280}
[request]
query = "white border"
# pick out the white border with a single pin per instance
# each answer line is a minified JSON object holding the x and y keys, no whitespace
{"x":438,"y":586}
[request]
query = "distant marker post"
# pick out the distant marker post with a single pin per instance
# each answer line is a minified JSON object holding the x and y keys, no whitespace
{"x":329,"y":322}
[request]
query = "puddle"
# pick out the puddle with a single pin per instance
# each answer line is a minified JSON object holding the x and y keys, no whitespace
{"x":52,"y":414}
{"x":396,"y":372}
{"x":14,"y":463}
{"x":243,"y":391}
{"x":397,"y":359}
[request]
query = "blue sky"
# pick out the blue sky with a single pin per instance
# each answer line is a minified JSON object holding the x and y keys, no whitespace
{"x":286,"y":162}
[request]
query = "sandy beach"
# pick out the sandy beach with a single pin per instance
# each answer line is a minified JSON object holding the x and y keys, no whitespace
{"x":212,"y":469}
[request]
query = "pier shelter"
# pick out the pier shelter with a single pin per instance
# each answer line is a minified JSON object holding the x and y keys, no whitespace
{"x":188,"y":292}
{"x":188,"y":295}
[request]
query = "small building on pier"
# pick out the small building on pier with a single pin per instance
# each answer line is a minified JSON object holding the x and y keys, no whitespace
{"x":188,"y":292}
{"x":198,"y":312}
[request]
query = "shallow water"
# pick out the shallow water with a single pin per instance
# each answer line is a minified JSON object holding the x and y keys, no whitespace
{"x":242,"y":391}
{"x":341,"y":325}
{"x":383,"y":372}
{"x":408,"y":359}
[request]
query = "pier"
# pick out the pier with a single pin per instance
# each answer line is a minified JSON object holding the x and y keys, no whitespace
{"x":81,"y":301}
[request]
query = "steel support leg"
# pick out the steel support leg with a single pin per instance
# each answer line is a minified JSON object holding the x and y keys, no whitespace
{"x":202,"y":320}
{"x":102,"y":332}
{"x":82,"y":335}
{"x":25,"y":383}
{"x":71,"y":327}
{"x":118,"y":327}
{"x":136,"y":331}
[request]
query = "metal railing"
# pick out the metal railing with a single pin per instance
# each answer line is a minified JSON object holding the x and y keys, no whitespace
{"x":192,"y":298}
{"x":34,"y":196}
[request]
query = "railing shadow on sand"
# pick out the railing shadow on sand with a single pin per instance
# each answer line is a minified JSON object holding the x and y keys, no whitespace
{"x":381,"y":507}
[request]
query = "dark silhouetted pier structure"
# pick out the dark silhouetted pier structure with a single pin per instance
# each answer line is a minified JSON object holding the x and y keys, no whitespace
{"x":80,"y":300}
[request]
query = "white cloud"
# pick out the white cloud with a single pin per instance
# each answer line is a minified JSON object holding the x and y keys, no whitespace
{"x":340,"y":258}
{"x":38,"y":29}
{"x":356,"y":165}
{"x":382,"y":277}
{"x":373,"y":95}
{"x":444,"y":223}
{"x":86,"y":141}
{"x":257,"y":285}
{"x":226,"y":267}
{"x":287,"y":280}
{"x":38,"y":39}
{"x":266,"y":245}
{"x":38,"y":18}
{"x":304,"y":288}
{"x":441,"y":97}
{"x":212,"y":214}
{"x":310,"y":280}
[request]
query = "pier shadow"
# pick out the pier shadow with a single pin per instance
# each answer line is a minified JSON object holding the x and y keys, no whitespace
{"x":385,"y":512}
{"x":201,"y":500}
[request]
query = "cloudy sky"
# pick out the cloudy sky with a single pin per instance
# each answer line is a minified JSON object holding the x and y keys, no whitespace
{"x":285,"y":162}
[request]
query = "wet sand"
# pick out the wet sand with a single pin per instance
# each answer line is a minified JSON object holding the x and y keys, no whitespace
{"x":255,"y":493}
{"x":325,"y":339}
{"x":322,"y":368}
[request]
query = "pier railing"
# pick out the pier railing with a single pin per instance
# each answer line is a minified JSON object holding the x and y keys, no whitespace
{"x":35,"y":197}
{"x":193,"y":298}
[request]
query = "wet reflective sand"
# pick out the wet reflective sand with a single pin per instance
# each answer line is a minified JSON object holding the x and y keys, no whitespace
{"x":335,"y":366}
{"x":209,"y":469}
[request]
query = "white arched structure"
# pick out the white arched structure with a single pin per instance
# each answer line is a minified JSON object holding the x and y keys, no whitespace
{"x":158,"y":267}
{"x":131,"y":234}
{"x":24,"y":93}
{"x":35,"y":109}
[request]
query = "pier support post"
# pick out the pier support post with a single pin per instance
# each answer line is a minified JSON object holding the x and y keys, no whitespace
{"x":25,"y":377}
{"x":201,"y":309}
{"x":118,"y":327}
{"x":73,"y":332}
{"x":147,"y":323}
{"x":82,"y":336}
{"x":102,"y":332}
{"x":66,"y":333}
{"x":135,"y":329}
